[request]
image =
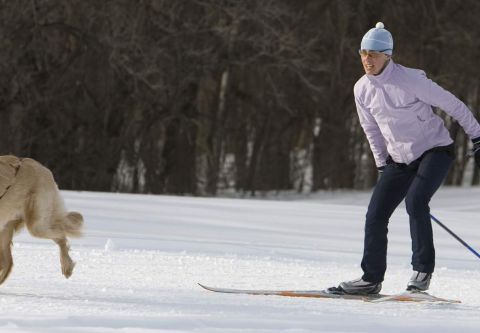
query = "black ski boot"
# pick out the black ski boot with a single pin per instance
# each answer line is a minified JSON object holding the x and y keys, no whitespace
{"x":419,"y":281}
{"x":357,"y":287}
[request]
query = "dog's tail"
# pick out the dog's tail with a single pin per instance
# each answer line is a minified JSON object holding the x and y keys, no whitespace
{"x":73,"y":224}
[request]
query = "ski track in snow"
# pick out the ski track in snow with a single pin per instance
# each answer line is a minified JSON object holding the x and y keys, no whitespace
{"x":141,"y":257}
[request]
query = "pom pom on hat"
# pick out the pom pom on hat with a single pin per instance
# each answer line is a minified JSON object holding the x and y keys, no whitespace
{"x":378,"y":39}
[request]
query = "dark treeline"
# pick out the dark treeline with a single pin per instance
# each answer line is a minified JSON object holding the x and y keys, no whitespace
{"x":197,"y":96}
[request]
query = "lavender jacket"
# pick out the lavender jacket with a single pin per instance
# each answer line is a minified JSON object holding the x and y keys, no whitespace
{"x":395,"y":111}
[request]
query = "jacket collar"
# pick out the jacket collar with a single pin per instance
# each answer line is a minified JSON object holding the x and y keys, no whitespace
{"x":384,"y":75}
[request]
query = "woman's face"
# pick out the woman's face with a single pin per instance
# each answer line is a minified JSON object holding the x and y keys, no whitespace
{"x":373,"y":62}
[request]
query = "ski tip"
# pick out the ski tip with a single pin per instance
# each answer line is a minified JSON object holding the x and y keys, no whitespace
{"x":204,"y":286}
{"x":217,"y":290}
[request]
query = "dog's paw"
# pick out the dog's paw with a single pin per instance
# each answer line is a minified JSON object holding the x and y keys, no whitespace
{"x":67,"y":268}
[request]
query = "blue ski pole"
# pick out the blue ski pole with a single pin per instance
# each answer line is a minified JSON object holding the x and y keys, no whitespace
{"x":455,"y":236}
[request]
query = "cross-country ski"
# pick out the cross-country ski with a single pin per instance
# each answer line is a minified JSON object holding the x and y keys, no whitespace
{"x":407,"y":296}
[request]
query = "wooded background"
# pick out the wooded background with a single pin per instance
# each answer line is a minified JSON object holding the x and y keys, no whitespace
{"x":200,"y":96}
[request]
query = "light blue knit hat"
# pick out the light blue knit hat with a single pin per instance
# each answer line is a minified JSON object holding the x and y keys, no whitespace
{"x":378,"y":39}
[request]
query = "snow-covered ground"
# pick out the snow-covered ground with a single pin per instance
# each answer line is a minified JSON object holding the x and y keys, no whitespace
{"x":141,"y":258}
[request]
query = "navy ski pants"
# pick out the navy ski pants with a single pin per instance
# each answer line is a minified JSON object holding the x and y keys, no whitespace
{"x":416,"y":183}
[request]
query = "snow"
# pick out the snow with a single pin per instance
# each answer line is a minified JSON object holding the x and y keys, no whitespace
{"x":141,"y":257}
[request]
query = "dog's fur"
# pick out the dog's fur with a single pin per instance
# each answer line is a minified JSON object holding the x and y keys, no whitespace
{"x":32,"y":198}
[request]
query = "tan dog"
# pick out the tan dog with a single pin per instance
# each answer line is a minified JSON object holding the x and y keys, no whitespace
{"x":29,"y":196}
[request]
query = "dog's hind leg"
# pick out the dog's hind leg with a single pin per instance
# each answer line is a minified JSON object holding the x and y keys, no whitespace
{"x":6,"y":261}
{"x":67,"y":263}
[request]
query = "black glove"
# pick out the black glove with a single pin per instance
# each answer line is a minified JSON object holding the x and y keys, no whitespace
{"x":476,"y":151}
